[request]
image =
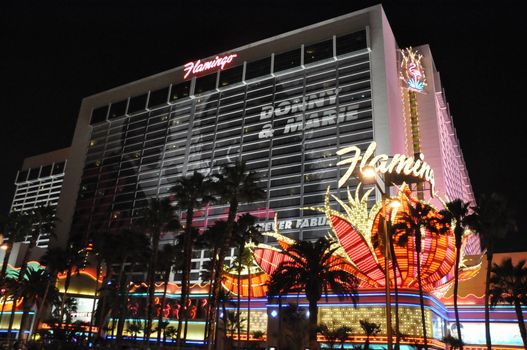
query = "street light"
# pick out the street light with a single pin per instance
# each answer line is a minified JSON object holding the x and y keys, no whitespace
{"x":369,"y":175}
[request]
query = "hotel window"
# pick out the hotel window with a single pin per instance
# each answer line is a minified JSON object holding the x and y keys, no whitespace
{"x":33,"y":173}
{"x":117,"y":109}
{"x":258,"y":68}
{"x":231,"y":76}
{"x":287,"y":60}
{"x":351,"y":42}
{"x":319,"y":51}
{"x":99,"y":115}
{"x":58,"y":168}
{"x":158,"y":97}
{"x":137,"y":104}
{"x":22,"y":176}
{"x":46,"y":171}
{"x":206,"y":83}
{"x":179,"y":91}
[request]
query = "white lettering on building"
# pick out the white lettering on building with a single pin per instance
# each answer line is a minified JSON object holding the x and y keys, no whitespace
{"x":399,"y":163}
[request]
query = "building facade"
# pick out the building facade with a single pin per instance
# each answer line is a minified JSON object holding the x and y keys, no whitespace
{"x":288,"y":106}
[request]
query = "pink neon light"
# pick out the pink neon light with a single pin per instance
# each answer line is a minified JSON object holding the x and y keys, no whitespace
{"x":198,"y":66}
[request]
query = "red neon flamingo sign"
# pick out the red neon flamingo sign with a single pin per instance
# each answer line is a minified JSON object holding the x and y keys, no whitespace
{"x":198,"y":66}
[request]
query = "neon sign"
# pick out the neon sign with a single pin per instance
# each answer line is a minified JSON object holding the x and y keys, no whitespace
{"x":412,"y":71}
{"x":198,"y":66}
{"x":399,"y":163}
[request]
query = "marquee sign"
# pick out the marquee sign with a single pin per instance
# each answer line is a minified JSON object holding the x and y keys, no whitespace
{"x":198,"y":66}
{"x":399,"y":164}
{"x":412,"y":71}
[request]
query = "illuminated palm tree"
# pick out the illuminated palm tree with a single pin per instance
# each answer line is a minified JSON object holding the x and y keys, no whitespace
{"x":508,"y":284}
{"x":234,"y":185}
{"x":495,"y":221}
{"x":191,"y":193}
{"x":157,"y":219}
{"x":458,"y":215}
{"x":410,"y":226}
{"x":311,"y":268}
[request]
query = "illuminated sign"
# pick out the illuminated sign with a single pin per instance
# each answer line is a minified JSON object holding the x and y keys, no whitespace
{"x":309,"y":120}
{"x":198,"y":66}
{"x":412,"y":71}
{"x":399,"y":163}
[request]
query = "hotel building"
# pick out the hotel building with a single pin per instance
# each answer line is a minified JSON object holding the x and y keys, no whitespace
{"x":285,"y":105}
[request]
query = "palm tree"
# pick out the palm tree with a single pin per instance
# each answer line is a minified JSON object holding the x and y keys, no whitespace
{"x":458,"y":215}
{"x":171,"y":258}
{"x":43,"y":220}
{"x":313,"y":269}
{"x":32,"y":288}
{"x":15,"y":226}
{"x":370,"y":329}
{"x":495,"y":221}
{"x":234,"y":184}
{"x":157,"y":218}
{"x":410,"y":226}
{"x":55,"y":260}
{"x":191,"y":193}
{"x":335,"y":333}
{"x":133,"y":249}
{"x":245,"y":232}
{"x":508,"y":284}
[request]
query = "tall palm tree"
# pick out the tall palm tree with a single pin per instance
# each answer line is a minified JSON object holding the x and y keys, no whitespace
{"x":43,"y":219}
{"x":457,"y":214}
{"x":508,"y":284}
{"x":312,"y":268}
{"x":495,"y":221}
{"x":158,"y":218}
{"x":245,"y":232}
{"x":55,"y":260}
{"x":32,"y":288}
{"x":234,"y":184}
{"x":15,"y":227}
{"x":191,"y":193}
{"x":133,"y":249}
{"x":410,"y":226}
{"x":171,"y":258}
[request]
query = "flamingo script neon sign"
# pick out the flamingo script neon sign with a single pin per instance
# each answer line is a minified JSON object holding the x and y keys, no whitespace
{"x":399,"y":163}
{"x":198,"y":66}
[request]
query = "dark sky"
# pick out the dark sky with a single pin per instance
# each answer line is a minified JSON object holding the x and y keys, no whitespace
{"x":52,"y":54}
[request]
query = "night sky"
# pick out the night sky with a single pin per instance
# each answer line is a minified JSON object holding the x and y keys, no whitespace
{"x":53,"y":55}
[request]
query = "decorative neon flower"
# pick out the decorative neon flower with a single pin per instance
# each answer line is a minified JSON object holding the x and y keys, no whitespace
{"x":356,"y":230}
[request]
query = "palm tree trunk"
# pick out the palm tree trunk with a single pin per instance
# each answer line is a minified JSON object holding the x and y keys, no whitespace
{"x":313,"y":317}
{"x":396,"y":290}
{"x":249,"y":308}
{"x":151,"y":285}
{"x":121,"y":300}
{"x":163,"y":301}
{"x":6,"y":260}
{"x":185,"y":278}
{"x":5,"y":296}
{"x":67,"y":282}
{"x":280,"y":321}
{"x":421,"y":298}
{"x":233,"y":209}
{"x":40,"y":310}
{"x":238,"y":307}
{"x":11,"y":319}
{"x":490,"y":255}
{"x":521,"y":323}
{"x":95,"y":296}
{"x":456,"y":287}
{"x":208,"y":323}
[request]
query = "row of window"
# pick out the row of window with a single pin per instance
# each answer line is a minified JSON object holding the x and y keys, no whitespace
{"x":249,"y":70}
{"x":32,"y":174}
